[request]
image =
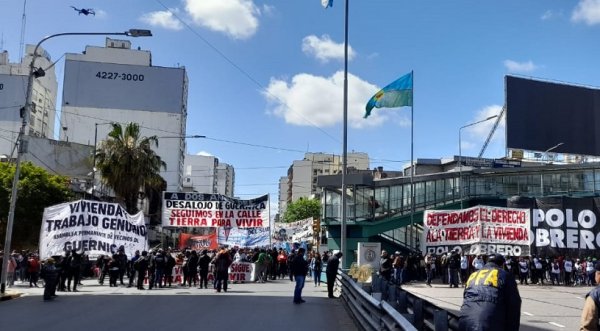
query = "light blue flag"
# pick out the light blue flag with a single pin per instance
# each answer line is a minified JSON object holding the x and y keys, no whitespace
{"x":397,"y":94}
{"x":327,"y":3}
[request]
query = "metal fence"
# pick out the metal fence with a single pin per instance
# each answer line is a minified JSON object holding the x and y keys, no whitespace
{"x":382,"y":305}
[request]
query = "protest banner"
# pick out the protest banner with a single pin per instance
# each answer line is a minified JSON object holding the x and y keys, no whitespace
{"x":93,"y":227}
{"x":198,"y":243}
{"x":477,"y":230}
{"x":250,"y":237}
{"x":293,"y":231}
{"x":191,"y":209}
{"x":562,"y":226}
{"x":241,"y":271}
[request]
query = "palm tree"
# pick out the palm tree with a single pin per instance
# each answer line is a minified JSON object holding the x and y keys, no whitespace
{"x":129,"y":165}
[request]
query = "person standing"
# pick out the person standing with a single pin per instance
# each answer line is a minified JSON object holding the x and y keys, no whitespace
{"x":203,"y":264}
{"x":331,"y":272}
{"x":464,"y":269}
{"x":523,"y":270}
{"x":385,"y":269}
{"x":132,"y":270}
{"x":299,"y":270}
{"x":193,"y":268}
{"x":121,"y":258}
{"x":429,"y":267}
{"x":453,"y":266}
{"x":568,"y":265}
{"x":589,"y":314}
{"x":398,"y":266}
{"x":141,"y":266}
{"x":491,"y":299}
{"x":50,"y":276}
{"x":74,"y":273}
{"x":34,"y":270}
{"x":317,"y":268}
{"x":222,"y":262}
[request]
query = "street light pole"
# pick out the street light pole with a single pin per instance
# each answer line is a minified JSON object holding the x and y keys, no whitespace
{"x":545,"y":155}
{"x":460,"y":183}
{"x":343,"y":247}
{"x":22,"y":138}
{"x":96,"y":152}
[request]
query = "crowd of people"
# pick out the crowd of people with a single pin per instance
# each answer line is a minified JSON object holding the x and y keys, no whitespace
{"x":454,"y":268}
{"x":155,"y":268}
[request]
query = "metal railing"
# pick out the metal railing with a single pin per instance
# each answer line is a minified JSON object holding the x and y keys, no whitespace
{"x":368,"y":312}
{"x":422,"y":314}
{"x":382,"y":305}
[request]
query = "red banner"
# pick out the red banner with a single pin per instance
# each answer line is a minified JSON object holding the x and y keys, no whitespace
{"x":197,"y":242}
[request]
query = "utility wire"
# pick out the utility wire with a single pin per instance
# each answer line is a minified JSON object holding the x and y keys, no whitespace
{"x":241,"y":70}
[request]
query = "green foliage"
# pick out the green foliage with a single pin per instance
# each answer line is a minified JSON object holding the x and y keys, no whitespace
{"x":129,"y":165}
{"x":301,"y":209}
{"x":37,"y":190}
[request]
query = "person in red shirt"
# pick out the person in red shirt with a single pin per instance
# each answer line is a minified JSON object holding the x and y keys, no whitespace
{"x":33,"y":270}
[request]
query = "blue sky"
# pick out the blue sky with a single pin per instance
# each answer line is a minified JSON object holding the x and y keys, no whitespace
{"x":266,"y":76}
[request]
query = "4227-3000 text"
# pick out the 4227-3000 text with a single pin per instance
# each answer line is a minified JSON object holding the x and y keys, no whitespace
{"x":120,"y":75}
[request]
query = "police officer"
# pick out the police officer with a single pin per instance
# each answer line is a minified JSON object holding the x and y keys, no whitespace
{"x":491,"y":299}
{"x":589,"y":315}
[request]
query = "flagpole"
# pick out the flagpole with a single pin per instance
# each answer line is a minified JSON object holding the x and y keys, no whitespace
{"x":412,"y":164}
{"x":345,"y":139}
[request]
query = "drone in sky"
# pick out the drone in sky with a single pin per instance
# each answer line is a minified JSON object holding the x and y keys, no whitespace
{"x":85,"y":11}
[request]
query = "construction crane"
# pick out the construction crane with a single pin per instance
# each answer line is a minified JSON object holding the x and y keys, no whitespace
{"x":487,"y":141}
{"x":23,"y":21}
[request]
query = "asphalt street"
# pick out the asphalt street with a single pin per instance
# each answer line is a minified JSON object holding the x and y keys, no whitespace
{"x":248,"y":307}
{"x":543,"y":307}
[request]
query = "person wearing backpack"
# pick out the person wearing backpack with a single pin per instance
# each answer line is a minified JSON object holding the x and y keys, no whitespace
{"x":159,"y":263}
{"x":169,"y":268}
{"x":132,"y":268}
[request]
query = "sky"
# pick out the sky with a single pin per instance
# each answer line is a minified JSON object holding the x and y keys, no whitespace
{"x":266,"y":76}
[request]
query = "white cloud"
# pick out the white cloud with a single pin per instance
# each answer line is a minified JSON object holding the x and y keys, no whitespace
{"x":325,"y":49}
{"x":163,"y":19}
{"x":314,"y":100}
{"x":474,"y":136}
{"x":236,"y":18}
{"x":548,"y":14}
{"x":587,"y":11}
{"x":204,"y":153}
{"x":520,"y":67}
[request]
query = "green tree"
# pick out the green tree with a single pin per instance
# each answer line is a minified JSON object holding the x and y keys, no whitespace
{"x":301,"y":209}
{"x":37,"y":190}
{"x":129,"y":165}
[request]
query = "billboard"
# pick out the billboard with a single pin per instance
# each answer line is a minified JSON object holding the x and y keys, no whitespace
{"x":562,"y":226}
{"x":540,"y":115}
{"x":12,"y":96}
{"x":123,"y":86}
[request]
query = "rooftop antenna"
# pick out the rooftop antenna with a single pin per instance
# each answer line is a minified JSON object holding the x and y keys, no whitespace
{"x":23,"y":21}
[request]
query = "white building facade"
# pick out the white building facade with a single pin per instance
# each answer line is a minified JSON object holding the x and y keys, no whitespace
{"x":205,"y":174}
{"x":13,"y":89}
{"x":117,"y":84}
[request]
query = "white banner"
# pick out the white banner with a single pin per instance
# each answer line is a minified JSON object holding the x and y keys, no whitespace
{"x":93,"y":227}
{"x":295,"y":231}
{"x":191,"y":209}
{"x":477,"y":229}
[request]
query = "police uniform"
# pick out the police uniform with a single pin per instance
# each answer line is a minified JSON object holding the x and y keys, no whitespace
{"x":491,"y":299}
